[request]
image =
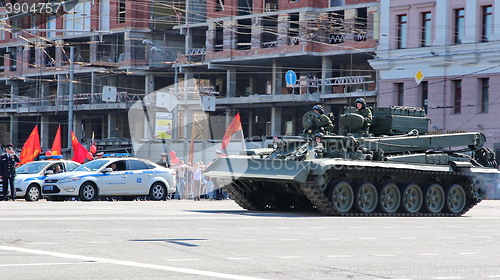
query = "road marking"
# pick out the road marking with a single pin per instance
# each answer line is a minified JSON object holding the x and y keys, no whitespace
{"x":129,"y":263}
{"x":492,"y":276}
{"x":44,"y":264}
{"x":468,"y":253}
{"x":181,"y":260}
{"x":338,"y":256}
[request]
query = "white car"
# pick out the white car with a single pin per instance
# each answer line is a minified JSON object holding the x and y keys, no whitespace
{"x":127,"y":177}
{"x":30,"y":176}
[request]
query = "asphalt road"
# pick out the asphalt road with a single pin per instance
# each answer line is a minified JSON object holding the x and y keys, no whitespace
{"x":218,"y":240}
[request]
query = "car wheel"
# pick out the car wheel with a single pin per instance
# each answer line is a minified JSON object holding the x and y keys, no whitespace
{"x":88,"y":191}
{"x":158,"y":191}
{"x":32,"y":193}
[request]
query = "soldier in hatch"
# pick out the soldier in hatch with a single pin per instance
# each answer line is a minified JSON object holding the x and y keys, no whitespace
{"x":365,"y":112}
{"x":328,"y":127}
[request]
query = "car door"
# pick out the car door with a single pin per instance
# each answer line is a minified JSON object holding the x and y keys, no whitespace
{"x":137,"y":177}
{"x":114,"y":182}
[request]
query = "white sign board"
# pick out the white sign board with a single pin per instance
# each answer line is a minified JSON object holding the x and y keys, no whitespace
{"x":109,"y":94}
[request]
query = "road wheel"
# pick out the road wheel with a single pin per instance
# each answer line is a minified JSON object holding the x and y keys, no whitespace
{"x":456,"y":199}
{"x":88,"y":191}
{"x":390,"y":198}
{"x":33,"y":193}
{"x":412,"y":198}
{"x":366,"y":198}
{"x":434,"y":199}
{"x":158,"y":191}
{"x":342,"y":197}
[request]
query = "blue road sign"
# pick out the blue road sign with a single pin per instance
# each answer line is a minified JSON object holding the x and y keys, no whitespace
{"x":290,"y":77}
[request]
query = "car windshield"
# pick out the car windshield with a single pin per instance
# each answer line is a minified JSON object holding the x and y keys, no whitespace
{"x":32,"y":167}
{"x":91,"y":165}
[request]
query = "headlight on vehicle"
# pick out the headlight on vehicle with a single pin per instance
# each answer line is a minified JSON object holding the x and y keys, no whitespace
{"x":67,"y":180}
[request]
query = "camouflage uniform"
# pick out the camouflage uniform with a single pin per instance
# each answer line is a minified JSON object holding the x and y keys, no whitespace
{"x":329,"y":125}
{"x":367,"y":116}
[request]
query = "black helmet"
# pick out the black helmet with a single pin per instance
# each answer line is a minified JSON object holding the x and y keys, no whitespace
{"x":362,"y":101}
{"x":319,"y":108}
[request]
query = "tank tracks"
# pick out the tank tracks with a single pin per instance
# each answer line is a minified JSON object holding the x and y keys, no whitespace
{"x":316,"y":195}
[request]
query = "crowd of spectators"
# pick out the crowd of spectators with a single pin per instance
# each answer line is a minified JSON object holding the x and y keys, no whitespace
{"x":193,"y":184}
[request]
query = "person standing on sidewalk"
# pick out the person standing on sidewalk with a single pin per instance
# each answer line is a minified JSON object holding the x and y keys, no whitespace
{"x":8,"y":163}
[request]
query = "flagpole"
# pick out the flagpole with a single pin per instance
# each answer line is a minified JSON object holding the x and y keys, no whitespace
{"x":71,"y":94}
{"x":191,"y":144}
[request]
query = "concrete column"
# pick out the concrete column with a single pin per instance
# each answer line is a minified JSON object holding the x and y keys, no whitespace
{"x":112,"y":127}
{"x":231,"y":83}
{"x":14,"y":131}
{"x":470,"y":22}
{"x":44,"y":133}
{"x":60,"y":53}
{"x":62,"y":88}
{"x":384,"y":24}
{"x":210,"y":41}
{"x":188,"y":123}
{"x":277,"y":79}
{"x":276,"y":121}
{"x":256,"y":32}
{"x":350,"y":19}
{"x":441,"y":20}
{"x":250,"y":123}
{"x":188,"y":83}
{"x":229,"y":37}
{"x":149,"y":81}
{"x":283,"y":26}
{"x":94,"y":49}
{"x":326,"y":73}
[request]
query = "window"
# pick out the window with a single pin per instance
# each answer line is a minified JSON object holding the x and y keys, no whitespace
{"x":79,"y":18}
{"x":136,"y":165}
{"x":457,"y":106}
{"x":485,"y":89}
{"x":459,"y":26}
{"x":424,"y":87}
{"x":402,"y":31}
{"x":487,"y":24}
{"x":400,"y":90}
{"x":426,"y":29}
{"x":121,"y":11}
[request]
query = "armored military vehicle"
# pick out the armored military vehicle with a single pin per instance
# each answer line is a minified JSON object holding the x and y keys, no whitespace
{"x":394,"y":169}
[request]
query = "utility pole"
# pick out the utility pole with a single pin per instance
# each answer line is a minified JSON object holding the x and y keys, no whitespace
{"x":71,"y":94}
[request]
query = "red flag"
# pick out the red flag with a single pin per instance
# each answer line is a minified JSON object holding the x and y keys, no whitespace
{"x":231,"y":129}
{"x":31,"y":148}
{"x":79,"y":151}
{"x":56,"y":145}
